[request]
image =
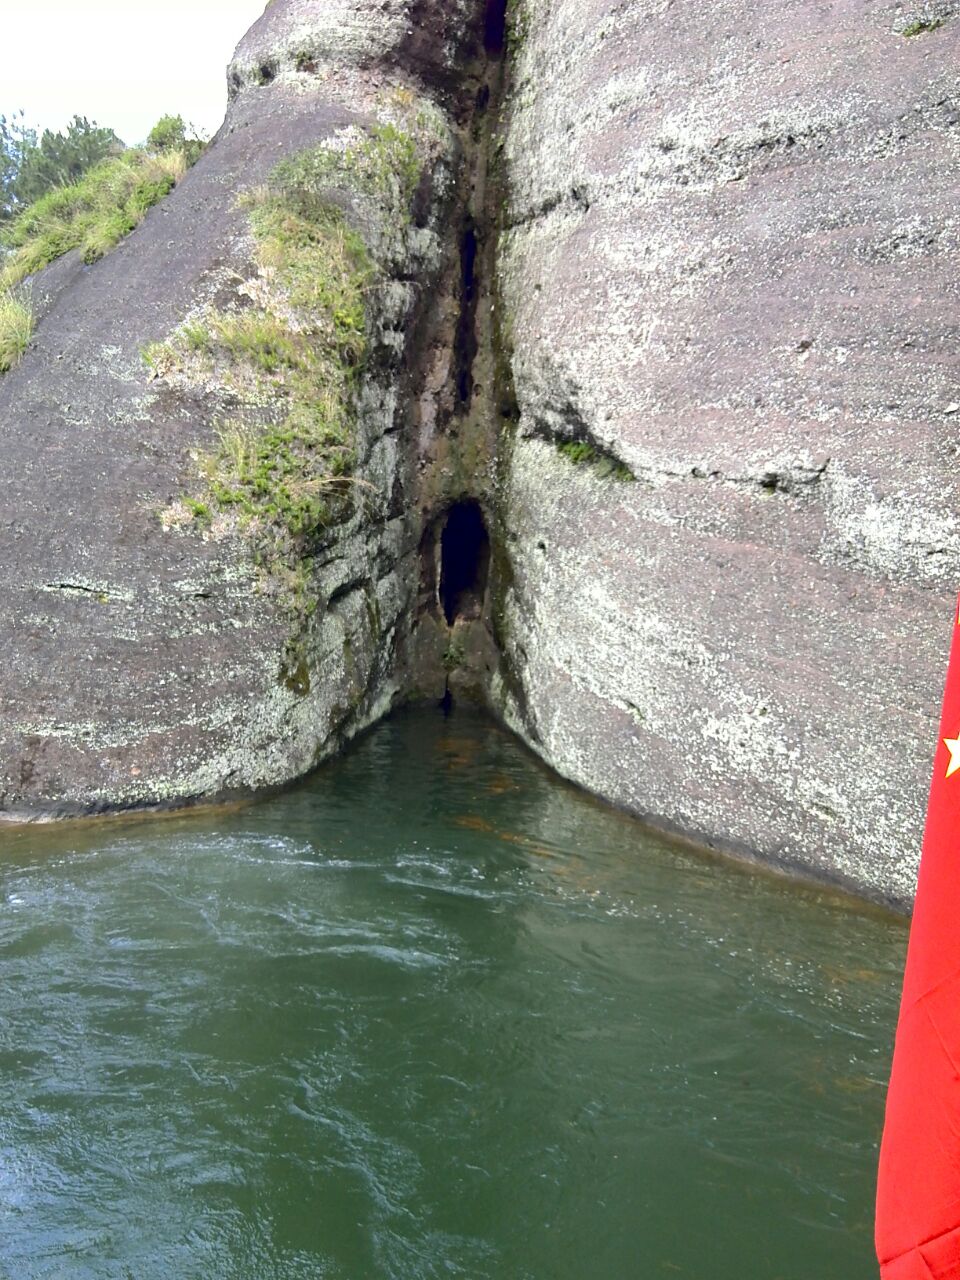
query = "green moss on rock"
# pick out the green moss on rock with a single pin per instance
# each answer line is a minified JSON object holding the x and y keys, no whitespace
{"x":919,"y":26}
{"x":296,"y":679}
{"x":383,"y":164}
{"x":579,"y":452}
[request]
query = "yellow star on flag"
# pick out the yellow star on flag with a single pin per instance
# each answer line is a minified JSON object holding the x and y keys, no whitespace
{"x":953,"y":746}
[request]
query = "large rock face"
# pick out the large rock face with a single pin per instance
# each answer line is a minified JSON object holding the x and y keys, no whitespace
{"x":659,"y":341}
{"x":152,"y":659}
{"x":730,"y":266}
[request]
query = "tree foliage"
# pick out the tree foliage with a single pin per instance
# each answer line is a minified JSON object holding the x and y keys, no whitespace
{"x":171,"y":133}
{"x":30,"y":167}
{"x":167,"y":133}
{"x":60,"y":159}
{"x":16,"y":141}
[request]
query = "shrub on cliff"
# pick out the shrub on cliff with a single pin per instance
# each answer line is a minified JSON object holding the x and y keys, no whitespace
{"x":60,"y":159}
{"x":291,"y":350}
{"x":288,"y":480}
{"x":171,"y":133}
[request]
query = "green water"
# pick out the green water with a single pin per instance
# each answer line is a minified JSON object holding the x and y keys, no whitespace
{"x":431,"y":1014}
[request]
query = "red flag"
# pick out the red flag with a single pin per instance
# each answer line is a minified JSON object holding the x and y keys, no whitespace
{"x":918,"y":1191}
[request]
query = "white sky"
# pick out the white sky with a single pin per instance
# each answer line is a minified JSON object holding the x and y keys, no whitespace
{"x":123,"y":63}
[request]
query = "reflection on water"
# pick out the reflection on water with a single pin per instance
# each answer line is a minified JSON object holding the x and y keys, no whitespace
{"x":431,"y":1014}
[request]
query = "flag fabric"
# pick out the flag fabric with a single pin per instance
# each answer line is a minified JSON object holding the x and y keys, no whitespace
{"x":918,"y":1189}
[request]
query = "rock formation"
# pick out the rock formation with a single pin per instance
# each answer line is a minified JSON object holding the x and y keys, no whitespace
{"x":155,"y":658}
{"x":653,"y":435}
{"x":728,"y":263}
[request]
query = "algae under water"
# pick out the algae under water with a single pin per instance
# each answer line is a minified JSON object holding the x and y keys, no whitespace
{"x":432,"y":1013}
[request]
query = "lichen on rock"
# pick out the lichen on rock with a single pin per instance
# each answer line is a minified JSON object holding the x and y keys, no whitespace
{"x":692,"y":205}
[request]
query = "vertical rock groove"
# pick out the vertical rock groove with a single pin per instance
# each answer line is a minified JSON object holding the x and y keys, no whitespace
{"x":495,"y":27}
{"x":466,"y":338}
{"x":460,"y":418}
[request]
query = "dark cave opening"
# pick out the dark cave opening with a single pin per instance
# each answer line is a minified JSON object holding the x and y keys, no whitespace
{"x":466,"y":338}
{"x":464,"y":562}
{"x":495,"y":27}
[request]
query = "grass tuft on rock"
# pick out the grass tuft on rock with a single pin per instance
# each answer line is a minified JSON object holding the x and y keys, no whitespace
{"x":320,"y":263}
{"x":288,"y":354}
{"x":94,"y":213}
{"x":299,"y":353}
{"x":16,"y":326}
{"x":293,"y":477}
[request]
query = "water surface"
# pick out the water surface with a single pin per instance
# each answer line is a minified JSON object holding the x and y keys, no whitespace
{"x":431,"y":1014}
